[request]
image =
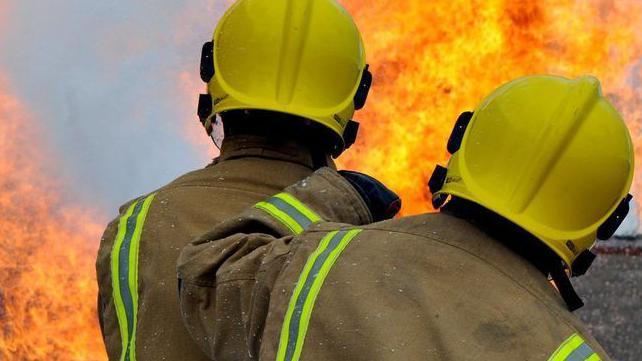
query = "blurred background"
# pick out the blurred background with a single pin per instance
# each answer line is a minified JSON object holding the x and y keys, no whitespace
{"x":98,"y":102}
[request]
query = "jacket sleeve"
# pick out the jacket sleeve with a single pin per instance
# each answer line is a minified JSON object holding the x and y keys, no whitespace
{"x":103,"y":275}
{"x":106,"y":311}
{"x":225,"y":276}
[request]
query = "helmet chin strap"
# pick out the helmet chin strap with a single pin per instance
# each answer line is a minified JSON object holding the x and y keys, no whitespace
{"x":218,"y":146}
{"x":216,"y":131}
{"x":564,"y":286}
{"x":214,"y":127}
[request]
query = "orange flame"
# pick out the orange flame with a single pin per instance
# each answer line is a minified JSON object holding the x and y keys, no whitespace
{"x":47,"y":283}
{"x":433,"y":60}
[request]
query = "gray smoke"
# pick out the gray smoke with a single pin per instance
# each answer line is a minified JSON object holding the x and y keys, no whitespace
{"x":102,"y":80}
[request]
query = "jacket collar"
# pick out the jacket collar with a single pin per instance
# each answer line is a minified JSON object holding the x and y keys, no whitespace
{"x":241,"y":146}
{"x":464,"y":235}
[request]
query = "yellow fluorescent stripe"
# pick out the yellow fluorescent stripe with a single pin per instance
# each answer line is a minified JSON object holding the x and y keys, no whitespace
{"x":133,"y":268}
{"x":118,"y":301}
{"x":312,"y":215}
{"x":594,"y":357}
{"x":316,"y":288}
{"x":328,"y":243}
{"x":566,"y":348}
{"x":297,"y":290}
{"x":281,"y":216}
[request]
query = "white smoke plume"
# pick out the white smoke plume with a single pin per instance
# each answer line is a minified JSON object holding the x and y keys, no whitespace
{"x":107,"y":81}
{"x":112,"y":83}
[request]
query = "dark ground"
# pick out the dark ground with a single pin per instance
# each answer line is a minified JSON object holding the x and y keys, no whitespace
{"x":612,"y":291}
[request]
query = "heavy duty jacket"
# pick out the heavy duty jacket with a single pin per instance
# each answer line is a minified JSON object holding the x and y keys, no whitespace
{"x":281,"y":281}
{"x":136,"y":265}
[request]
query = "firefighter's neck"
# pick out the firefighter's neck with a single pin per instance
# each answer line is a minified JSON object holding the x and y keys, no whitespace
{"x":281,"y":130}
{"x":247,"y":144}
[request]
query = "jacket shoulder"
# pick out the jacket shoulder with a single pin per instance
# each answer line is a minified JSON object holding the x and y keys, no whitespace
{"x":189,"y":178}
{"x":413,"y":279}
{"x":429,"y":225}
{"x":194,"y":177}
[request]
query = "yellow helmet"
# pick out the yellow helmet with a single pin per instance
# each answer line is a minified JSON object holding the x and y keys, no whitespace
{"x":299,"y":57}
{"x":550,"y":154}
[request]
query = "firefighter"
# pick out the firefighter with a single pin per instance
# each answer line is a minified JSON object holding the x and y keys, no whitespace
{"x":539,"y":171}
{"x":285,"y":78}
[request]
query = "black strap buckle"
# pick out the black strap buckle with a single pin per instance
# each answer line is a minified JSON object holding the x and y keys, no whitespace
{"x":437,"y":179}
{"x":204,"y":107}
{"x":608,"y":228}
{"x":583,"y":262}
{"x":364,"y":88}
{"x":207,"y":62}
{"x":436,"y":182}
{"x":457,"y":136}
{"x":350,"y":133}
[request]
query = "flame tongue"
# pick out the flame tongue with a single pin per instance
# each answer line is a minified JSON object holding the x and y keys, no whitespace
{"x":46,"y":261}
{"x":434,"y":60}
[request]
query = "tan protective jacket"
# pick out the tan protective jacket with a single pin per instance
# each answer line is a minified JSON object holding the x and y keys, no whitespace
{"x":430,"y":287}
{"x":136,"y":265}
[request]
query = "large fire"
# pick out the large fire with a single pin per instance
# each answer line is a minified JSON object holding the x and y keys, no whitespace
{"x":431,"y":60}
{"x":434,"y":59}
{"x":47,"y":250}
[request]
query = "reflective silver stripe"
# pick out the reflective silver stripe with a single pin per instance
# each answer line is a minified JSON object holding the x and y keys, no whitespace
{"x":289,"y":211}
{"x":124,"y":272}
{"x":123,"y":276}
{"x":309,"y":285}
{"x":581,"y":353}
{"x":295,"y":321}
{"x":574,"y":349}
{"x":294,"y":213}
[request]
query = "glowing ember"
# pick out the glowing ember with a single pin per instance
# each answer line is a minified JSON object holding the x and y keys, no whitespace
{"x":47,"y":285}
{"x":433,"y":60}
